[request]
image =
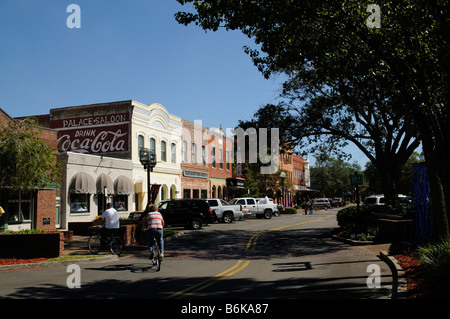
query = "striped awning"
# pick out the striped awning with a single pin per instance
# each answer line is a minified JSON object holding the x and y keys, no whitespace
{"x":103,"y":181}
{"x":123,"y":186}
{"x":82,"y":183}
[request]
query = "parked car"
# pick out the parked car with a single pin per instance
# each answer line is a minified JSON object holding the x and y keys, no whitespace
{"x":335,"y":202}
{"x":275,"y":210}
{"x":260,"y":210}
{"x":225,"y":211}
{"x":189,"y":212}
{"x":374,"y":200}
{"x":339,"y":201}
{"x":135,"y":215}
{"x":322,"y":202}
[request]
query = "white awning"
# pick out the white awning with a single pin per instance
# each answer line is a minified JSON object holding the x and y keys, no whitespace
{"x":123,"y":186}
{"x":82,"y":183}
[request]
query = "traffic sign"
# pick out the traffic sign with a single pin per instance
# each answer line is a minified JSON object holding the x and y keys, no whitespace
{"x":356,"y":179}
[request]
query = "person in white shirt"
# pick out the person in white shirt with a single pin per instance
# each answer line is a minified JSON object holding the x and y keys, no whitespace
{"x":111,"y":217}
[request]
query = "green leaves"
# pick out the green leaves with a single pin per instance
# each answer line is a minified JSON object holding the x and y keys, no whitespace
{"x":26,"y":161}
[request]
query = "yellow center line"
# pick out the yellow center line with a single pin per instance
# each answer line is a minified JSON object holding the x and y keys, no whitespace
{"x":251,"y":244}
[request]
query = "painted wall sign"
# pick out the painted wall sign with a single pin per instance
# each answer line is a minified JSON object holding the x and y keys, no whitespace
{"x":93,"y":134}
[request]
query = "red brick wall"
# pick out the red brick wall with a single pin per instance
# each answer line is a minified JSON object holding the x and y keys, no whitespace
{"x":4,"y":118}
{"x":225,"y":146}
{"x":299,"y":170}
{"x":192,"y":183}
{"x":46,"y":208}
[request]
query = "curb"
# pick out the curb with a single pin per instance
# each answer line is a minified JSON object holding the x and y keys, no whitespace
{"x":399,"y":284}
{"x":47,"y":264}
{"x":353,"y":242}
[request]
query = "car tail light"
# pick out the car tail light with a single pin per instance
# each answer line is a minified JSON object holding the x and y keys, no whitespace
{"x":210,"y":211}
{"x":241,"y":207}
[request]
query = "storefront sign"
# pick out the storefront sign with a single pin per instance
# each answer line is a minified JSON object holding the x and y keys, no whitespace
{"x":94,"y":134}
{"x":195,"y":174}
{"x":235,"y":183}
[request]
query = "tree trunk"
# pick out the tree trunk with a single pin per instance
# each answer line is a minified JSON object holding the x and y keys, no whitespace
{"x":435,"y":172}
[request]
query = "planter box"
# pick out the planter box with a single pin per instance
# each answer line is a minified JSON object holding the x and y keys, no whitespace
{"x":394,"y":230}
{"x":46,"y":245}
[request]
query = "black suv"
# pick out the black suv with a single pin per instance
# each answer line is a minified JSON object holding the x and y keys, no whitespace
{"x":191,"y":212}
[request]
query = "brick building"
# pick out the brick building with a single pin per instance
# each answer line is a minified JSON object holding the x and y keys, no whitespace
{"x":297,"y":173}
{"x":220,"y":165}
{"x":38,"y":207}
{"x":206,"y":161}
{"x":194,"y":167}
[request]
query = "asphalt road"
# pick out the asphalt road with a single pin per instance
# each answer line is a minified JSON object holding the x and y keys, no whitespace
{"x":286,"y":257}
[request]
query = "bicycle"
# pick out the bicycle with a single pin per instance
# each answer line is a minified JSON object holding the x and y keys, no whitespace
{"x":103,"y":237}
{"x":156,"y":259}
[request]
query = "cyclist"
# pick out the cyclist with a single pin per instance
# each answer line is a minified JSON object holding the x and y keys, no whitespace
{"x":111,"y":218}
{"x":155,"y":226}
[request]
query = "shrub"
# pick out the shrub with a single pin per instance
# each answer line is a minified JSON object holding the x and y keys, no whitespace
{"x":353,"y":221}
{"x":290,"y":210}
{"x":436,"y":260}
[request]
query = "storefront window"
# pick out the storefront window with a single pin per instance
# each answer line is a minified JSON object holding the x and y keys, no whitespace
{"x":79,"y":203}
{"x":120,"y":202}
{"x":20,"y":207}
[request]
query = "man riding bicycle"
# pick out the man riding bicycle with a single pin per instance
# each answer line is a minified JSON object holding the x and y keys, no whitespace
{"x":111,"y":218}
{"x":155,"y":226}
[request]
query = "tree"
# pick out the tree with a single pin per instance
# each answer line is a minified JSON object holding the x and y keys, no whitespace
{"x":374,"y":179}
{"x":26,"y":161}
{"x":324,"y":126}
{"x":327,"y":48}
{"x":331,"y":176}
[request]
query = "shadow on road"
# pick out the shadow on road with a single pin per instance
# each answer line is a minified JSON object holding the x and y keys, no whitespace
{"x":236,"y":288}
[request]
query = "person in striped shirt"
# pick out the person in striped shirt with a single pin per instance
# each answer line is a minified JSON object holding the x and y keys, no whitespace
{"x":155,"y":226}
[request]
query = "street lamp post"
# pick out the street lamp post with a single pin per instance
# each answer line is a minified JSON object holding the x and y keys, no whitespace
{"x":148,"y":159}
{"x":282,"y":176}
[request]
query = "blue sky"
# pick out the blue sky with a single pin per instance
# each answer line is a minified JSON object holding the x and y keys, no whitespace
{"x":126,"y":50}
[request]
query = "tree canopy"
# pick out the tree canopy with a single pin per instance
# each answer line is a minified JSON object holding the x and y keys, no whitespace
{"x":338,"y":62}
{"x":26,"y":161}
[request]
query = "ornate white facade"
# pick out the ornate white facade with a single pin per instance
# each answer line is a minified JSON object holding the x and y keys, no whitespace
{"x":153,"y":127}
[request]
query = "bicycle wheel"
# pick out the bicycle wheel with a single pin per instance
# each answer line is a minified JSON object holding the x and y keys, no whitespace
{"x":94,"y":243}
{"x":116,"y":246}
{"x":156,"y":257}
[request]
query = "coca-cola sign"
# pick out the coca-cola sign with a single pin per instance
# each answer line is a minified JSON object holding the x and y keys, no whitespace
{"x":94,"y":134}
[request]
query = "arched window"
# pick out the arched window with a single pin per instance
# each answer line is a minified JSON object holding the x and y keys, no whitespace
{"x":194,"y":153}
{"x":184,"y":151}
{"x":140,"y":143}
{"x":173,"y":152}
{"x":163,"y":151}
{"x":203,"y":155}
{"x":152,"y":144}
{"x":213,"y":157}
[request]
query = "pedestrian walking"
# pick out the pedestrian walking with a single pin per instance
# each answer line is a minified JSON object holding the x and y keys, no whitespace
{"x":311,"y":207}
{"x":307,"y":205}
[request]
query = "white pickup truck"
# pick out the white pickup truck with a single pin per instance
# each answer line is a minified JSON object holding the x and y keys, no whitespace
{"x":254,"y":207}
{"x":225,"y":211}
{"x":276,"y":213}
